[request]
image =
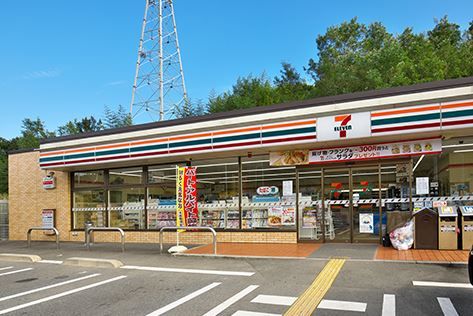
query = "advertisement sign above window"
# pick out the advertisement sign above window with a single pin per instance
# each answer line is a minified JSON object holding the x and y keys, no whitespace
{"x":345,"y":126}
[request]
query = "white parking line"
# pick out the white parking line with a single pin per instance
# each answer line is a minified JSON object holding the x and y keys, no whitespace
{"x":6,"y":268}
{"x":274,"y":300}
{"x":442,"y":284}
{"x":447,"y":306}
{"x":247,"y":313}
{"x":235,"y":298}
{"x":342,"y":306}
{"x":389,"y":305}
{"x":49,"y":298}
{"x":47,"y":287}
{"x":15,"y":271}
{"x":50,"y":261}
{"x":197,"y":271}
{"x":181,"y":301}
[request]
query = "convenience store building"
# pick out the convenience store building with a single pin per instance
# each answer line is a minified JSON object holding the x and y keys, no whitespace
{"x":346,"y":168}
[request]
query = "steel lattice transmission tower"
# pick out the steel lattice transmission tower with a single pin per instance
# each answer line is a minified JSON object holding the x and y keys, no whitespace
{"x":159,"y":86}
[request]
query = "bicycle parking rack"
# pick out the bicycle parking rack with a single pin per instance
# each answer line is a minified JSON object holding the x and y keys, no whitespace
{"x":104,"y":229}
{"x":214,"y":234}
{"x":56,"y":232}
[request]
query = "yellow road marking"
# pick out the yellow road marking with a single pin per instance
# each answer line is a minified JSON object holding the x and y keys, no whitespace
{"x":311,"y":298}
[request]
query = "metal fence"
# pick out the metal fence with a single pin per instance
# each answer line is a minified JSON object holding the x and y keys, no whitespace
{"x":3,"y":219}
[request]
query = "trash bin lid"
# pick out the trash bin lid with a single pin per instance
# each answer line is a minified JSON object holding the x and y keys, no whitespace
{"x":467,"y":210}
{"x":447,"y":211}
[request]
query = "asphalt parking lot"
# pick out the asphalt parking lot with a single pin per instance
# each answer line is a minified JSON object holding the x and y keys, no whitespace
{"x":231,"y":287}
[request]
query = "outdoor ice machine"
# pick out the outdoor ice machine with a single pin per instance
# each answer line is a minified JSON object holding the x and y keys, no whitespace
{"x":448,"y":224}
{"x":467,"y":227}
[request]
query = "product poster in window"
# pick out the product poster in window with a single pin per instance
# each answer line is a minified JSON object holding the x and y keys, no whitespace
{"x":366,"y":223}
{"x":289,"y":216}
{"x":275,"y":214}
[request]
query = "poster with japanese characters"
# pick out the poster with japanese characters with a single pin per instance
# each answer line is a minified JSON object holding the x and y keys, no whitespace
{"x":376,"y":151}
{"x":186,"y":197}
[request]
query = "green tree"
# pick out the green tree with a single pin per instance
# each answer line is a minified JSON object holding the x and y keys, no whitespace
{"x":86,"y":124}
{"x":355,"y":57}
{"x":118,"y":117}
{"x":5,"y":146}
{"x":32,"y":132}
{"x":190,"y":108}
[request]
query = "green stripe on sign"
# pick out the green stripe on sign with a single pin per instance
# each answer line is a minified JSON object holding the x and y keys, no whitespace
{"x":236,"y":137}
{"x":152,"y":147}
{"x":406,"y":119}
{"x":51,"y":159}
{"x":112,"y":152}
{"x":290,"y":132}
{"x":457,"y":113}
{"x":191,"y":143}
{"x":78,"y":156}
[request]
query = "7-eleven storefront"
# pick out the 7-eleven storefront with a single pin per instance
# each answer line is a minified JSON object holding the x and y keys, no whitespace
{"x":340,"y":169}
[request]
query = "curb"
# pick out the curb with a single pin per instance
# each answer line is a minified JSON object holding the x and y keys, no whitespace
{"x":183,"y":254}
{"x":93,"y":262}
{"x":19,"y":257}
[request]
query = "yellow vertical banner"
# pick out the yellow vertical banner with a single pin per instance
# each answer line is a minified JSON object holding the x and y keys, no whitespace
{"x":180,"y":214}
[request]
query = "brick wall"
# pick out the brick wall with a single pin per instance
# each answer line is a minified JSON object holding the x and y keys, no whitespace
{"x":27,"y":198}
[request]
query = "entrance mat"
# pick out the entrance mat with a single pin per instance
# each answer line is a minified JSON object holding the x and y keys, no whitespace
{"x":346,"y":251}
{"x":387,"y":253}
{"x":257,"y":250}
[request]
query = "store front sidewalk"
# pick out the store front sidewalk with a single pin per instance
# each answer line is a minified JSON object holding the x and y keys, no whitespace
{"x":327,"y":251}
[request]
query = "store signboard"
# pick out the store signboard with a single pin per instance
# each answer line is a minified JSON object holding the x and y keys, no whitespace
{"x":47,"y":218}
{"x":366,"y":223}
{"x":186,"y":197}
{"x":49,"y":182}
{"x":344,"y":126}
{"x":289,"y":158}
{"x":265,"y":190}
{"x":376,"y":151}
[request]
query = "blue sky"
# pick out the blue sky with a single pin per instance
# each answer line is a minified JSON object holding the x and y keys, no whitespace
{"x":67,"y":59}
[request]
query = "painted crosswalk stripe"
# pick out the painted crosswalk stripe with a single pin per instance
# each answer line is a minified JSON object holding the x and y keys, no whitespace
{"x":274,"y":300}
{"x":197,"y":271}
{"x":6,"y":268}
{"x":47,"y":287}
{"x":342,"y":306}
{"x":447,"y":307}
{"x":235,"y":298}
{"x":15,"y":271}
{"x":183,"y":300}
{"x":442,"y":284}
{"x":247,"y":313}
{"x":52,"y":297}
{"x":389,"y":305}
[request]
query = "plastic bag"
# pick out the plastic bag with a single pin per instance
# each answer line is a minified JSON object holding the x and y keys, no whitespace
{"x":402,"y":238}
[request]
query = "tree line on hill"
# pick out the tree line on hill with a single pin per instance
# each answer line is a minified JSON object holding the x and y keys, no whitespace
{"x":351,"y":57}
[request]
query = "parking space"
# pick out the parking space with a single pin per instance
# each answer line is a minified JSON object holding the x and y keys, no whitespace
{"x":259,"y":287}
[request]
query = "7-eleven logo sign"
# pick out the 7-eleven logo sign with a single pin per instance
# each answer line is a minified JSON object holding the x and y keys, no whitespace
{"x":343,"y":125}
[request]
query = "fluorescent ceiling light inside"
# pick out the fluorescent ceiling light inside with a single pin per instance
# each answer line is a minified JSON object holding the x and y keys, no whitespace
{"x":463,"y":151}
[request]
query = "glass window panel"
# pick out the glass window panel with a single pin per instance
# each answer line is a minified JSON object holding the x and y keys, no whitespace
{"x":126,"y":176}
{"x":88,"y":206}
{"x":126,"y":208}
{"x":88,"y":179}
{"x":217,"y":184}
{"x":266,"y":201}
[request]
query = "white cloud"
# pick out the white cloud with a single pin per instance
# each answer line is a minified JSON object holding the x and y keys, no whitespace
{"x":115,"y":83}
{"x":51,"y":73}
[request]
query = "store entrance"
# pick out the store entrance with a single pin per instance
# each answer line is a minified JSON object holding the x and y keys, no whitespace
{"x":344,"y":206}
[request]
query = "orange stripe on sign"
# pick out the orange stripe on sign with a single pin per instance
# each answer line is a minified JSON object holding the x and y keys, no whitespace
{"x":239,"y":130}
{"x":403,"y":111}
{"x":457,"y":105}
{"x":289,"y":124}
{"x":190,"y":136}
